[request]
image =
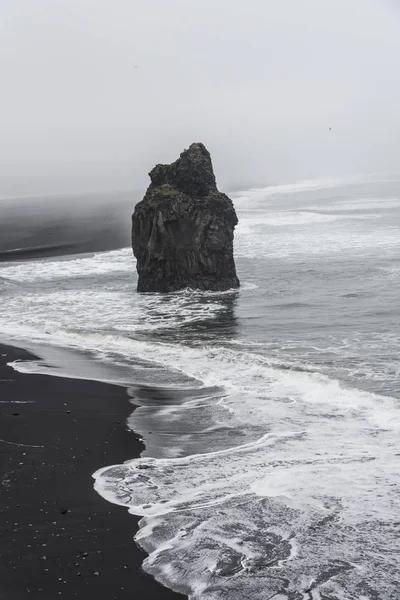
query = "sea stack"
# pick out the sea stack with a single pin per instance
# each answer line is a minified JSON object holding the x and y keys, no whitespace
{"x":182,"y":230}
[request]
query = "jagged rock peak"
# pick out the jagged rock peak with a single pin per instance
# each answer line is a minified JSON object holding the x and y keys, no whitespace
{"x":182,"y":230}
{"x":191,"y":174}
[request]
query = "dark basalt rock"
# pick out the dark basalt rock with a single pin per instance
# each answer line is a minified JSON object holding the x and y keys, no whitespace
{"x":182,"y":230}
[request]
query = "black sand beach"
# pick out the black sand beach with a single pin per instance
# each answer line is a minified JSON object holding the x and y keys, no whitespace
{"x":58,"y":536}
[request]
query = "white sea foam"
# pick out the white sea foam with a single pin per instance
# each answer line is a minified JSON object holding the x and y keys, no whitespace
{"x":300,"y":186}
{"x":83,"y":302}
{"x":292,"y":226}
{"x":224,"y":522}
{"x":293,"y":235}
{"x":346,"y":206}
{"x":114,"y":262}
{"x":286,"y":218}
{"x":228,"y":521}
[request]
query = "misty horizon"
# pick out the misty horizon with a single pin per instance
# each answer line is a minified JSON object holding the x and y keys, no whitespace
{"x":94,"y":96}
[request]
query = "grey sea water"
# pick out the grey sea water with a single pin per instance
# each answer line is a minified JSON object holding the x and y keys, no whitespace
{"x":270,"y":415}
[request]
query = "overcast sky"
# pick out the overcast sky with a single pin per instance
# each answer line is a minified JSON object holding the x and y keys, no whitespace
{"x":95,"y":92}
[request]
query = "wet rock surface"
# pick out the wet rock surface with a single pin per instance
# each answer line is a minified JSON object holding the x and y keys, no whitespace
{"x":182,"y":230}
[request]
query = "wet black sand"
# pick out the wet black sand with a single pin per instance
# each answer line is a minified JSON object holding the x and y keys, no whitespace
{"x":58,"y":537}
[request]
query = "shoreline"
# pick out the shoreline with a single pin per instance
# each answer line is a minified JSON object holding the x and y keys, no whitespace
{"x":60,"y":537}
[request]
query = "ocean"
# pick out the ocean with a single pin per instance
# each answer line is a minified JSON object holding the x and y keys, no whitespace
{"x":270,"y":414}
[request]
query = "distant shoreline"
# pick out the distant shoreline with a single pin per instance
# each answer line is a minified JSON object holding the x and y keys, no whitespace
{"x":65,"y":224}
{"x":52,"y":250}
{"x":37,"y":252}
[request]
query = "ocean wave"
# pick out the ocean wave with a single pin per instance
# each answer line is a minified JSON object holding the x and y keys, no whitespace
{"x":116,"y":261}
{"x":300,"y":472}
{"x":5,"y":282}
{"x":301,"y":186}
{"x":256,"y":238}
{"x":304,"y":475}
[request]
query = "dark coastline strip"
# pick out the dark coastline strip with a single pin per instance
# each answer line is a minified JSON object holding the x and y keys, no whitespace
{"x":58,"y":537}
{"x":17,"y":252}
{"x":52,"y":250}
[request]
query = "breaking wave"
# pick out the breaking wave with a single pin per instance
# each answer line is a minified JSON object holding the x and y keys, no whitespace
{"x":283,"y":497}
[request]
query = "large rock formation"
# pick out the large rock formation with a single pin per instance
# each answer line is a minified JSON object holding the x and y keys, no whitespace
{"x":182,"y":230}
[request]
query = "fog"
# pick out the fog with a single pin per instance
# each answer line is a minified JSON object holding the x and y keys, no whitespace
{"x":95,"y":92}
